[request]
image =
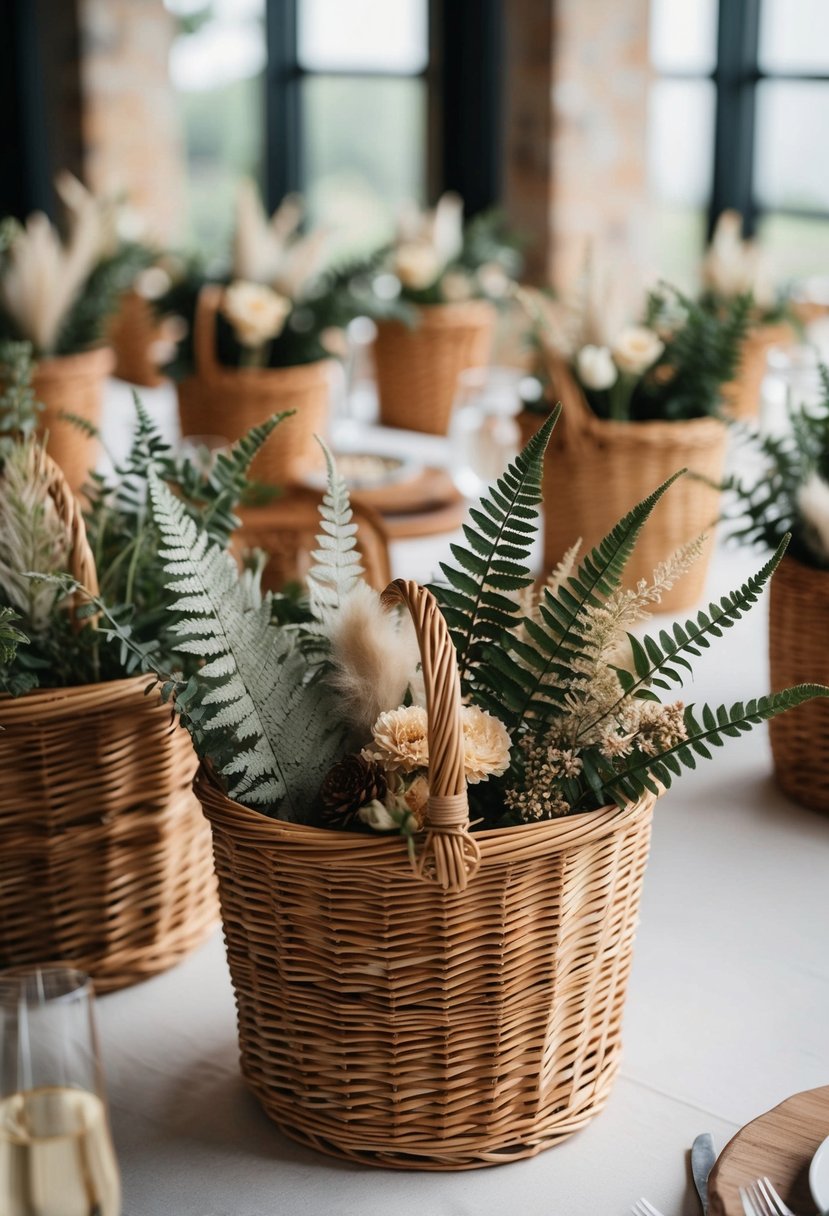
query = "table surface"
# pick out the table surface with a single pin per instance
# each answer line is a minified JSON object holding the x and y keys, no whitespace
{"x":726,"y":1014}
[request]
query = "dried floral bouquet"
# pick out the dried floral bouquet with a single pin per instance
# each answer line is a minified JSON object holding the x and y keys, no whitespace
{"x":322,"y":720}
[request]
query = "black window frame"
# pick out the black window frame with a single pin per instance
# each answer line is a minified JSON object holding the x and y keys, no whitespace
{"x":464,"y":91}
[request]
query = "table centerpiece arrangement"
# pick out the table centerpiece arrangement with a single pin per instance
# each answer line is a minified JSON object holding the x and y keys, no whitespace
{"x":105,"y":858}
{"x":433,"y":301}
{"x":261,"y":338}
{"x":733,"y":267}
{"x":790,"y":494}
{"x":59,"y":294}
{"x":638,"y":403}
{"x":431,"y":826}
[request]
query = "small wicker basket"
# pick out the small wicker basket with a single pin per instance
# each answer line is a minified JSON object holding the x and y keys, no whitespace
{"x":417,"y":368}
{"x":457,"y":1011}
{"x":799,"y":653}
{"x":227,"y":401}
{"x":73,"y":384}
{"x":595,"y":471}
{"x":741,"y":397}
{"x":105,"y":858}
{"x":133,"y":332}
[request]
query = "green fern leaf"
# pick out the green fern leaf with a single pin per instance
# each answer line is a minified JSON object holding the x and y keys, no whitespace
{"x":499,"y":543}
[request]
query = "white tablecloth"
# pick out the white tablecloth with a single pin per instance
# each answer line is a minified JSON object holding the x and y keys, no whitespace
{"x":727,"y":1014}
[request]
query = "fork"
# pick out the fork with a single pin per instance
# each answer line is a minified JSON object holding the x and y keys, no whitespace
{"x":643,"y":1208}
{"x":761,"y":1199}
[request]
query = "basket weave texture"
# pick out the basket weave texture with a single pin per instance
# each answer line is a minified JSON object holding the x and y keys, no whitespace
{"x":417,"y":368}
{"x":595,"y":471}
{"x":132,"y":332}
{"x":226,"y":401}
{"x":741,"y":397}
{"x":799,"y":653}
{"x":72,"y":384}
{"x":459,"y":1011}
{"x":105,"y":858}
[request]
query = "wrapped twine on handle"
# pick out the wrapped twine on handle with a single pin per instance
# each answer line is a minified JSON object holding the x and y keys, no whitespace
{"x":450,"y":856}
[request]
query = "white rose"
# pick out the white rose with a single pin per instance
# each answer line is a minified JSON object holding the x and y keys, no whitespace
{"x":595,"y":367}
{"x":417,"y":265}
{"x":375,"y":815}
{"x":256,"y":313}
{"x":636,"y":349}
{"x":456,"y":287}
{"x":813,"y":505}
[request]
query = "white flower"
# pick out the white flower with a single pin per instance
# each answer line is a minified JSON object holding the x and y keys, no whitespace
{"x":256,"y":313}
{"x":813,"y":505}
{"x":636,"y":349}
{"x":595,"y":367}
{"x":494,"y":280}
{"x":456,"y":287}
{"x":417,"y":265}
{"x":486,"y":744}
{"x":400,"y":739}
{"x":375,"y":815}
{"x":732,"y":266}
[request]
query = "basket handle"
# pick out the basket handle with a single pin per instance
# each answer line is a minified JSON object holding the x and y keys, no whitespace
{"x":81,"y":560}
{"x":208,"y":303}
{"x":450,"y":855}
{"x":577,"y":422}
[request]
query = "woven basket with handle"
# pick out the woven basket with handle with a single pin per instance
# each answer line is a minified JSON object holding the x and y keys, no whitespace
{"x":741,"y":397}
{"x":105,"y":858}
{"x":799,"y":653}
{"x":228,"y":401}
{"x":595,"y":471}
{"x":459,"y":1010}
{"x":73,"y":384}
{"x":418,"y":367}
{"x":133,"y":333}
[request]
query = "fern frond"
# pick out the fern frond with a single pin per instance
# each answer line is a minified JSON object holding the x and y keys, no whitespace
{"x":643,"y":773}
{"x":336,"y":567}
{"x":264,"y":722}
{"x":523,"y":679}
{"x":479,"y":603}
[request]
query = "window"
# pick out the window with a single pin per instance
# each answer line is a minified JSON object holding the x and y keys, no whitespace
{"x":733,"y":82}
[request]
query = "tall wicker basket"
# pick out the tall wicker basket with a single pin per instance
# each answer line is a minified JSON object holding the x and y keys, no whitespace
{"x":741,"y":397}
{"x":417,"y":368}
{"x":226,"y":401}
{"x":105,"y":858}
{"x":798,"y":653}
{"x":595,"y":471}
{"x":459,"y":1011}
{"x":73,"y":384}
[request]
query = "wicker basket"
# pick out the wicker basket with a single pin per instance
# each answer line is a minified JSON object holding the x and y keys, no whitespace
{"x":741,"y":397}
{"x":417,"y":368}
{"x":226,"y":401}
{"x":73,"y":384}
{"x":595,"y":471}
{"x":799,"y":653}
{"x":105,"y":858}
{"x":132,"y":333}
{"x":459,"y":1011}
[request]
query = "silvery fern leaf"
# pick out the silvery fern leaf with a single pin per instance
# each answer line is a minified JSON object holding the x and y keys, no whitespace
{"x":337,"y":563}
{"x":270,"y":728}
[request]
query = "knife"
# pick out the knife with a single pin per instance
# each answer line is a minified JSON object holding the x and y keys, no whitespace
{"x":702,"y":1162}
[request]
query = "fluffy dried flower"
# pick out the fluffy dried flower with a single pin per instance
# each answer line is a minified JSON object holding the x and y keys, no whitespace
{"x":660,"y":727}
{"x":256,"y":313}
{"x":732,"y":266}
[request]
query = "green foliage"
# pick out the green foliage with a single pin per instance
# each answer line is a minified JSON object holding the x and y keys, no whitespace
{"x":476,"y":603}
{"x":764,"y":507}
{"x":18,"y":408}
{"x":267,"y":723}
{"x":86,"y":321}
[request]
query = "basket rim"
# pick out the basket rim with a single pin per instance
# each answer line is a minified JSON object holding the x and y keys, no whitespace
{"x":356,"y":850}
{"x":56,"y":701}
{"x":313,"y":374}
{"x":446,"y":313}
{"x":81,"y":362}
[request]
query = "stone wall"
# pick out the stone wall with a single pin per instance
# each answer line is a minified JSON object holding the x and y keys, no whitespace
{"x":131,"y":127}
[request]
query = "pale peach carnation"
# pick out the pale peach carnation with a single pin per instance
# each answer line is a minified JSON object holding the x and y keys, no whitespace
{"x":400,"y":741}
{"x":486,"y":744}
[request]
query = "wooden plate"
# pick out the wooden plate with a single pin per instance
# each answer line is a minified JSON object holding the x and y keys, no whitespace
{"x":780,"y":1145}
{"x":418,"y":506}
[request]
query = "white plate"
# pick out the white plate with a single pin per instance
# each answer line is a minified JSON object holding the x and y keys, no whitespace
{"x":819,"y":1176}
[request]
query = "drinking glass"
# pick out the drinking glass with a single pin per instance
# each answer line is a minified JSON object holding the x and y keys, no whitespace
{"x":484,"y":435}
{"x":56,"y":1154}
{"x":793,"y":382}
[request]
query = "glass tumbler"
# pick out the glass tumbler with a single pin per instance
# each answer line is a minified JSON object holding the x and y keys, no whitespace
{"x":56,"y":1153}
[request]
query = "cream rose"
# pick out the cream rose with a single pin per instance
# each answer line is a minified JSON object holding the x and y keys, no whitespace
{"x":636,"y":349}
{"x":595,"y":367}
{"x":417,"y":265}
{"x":256,"y":313}
{"x":486,"y":744}
{"x":400,"y":739}
{"x":813,"y":505}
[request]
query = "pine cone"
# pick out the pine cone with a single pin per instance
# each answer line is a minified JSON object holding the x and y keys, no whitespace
{"x":350,"y":784}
